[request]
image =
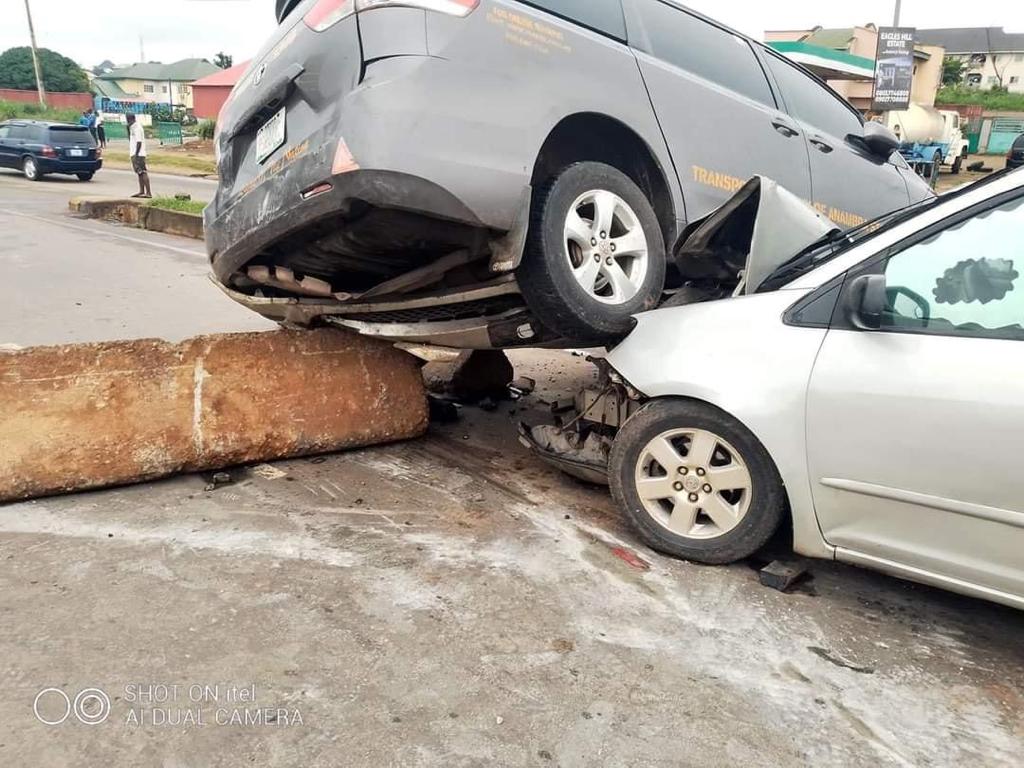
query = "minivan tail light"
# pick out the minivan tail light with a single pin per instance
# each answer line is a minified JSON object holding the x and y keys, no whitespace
{"x":48,"y":151}
{"x":326,"y":13}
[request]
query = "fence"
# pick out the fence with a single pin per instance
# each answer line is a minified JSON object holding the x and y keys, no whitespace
{"x":57,"y":100}
{"x":115,"y":130}
{"x":169,"y":133}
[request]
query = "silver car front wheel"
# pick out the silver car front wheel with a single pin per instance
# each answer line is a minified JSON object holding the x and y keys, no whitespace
{"x":30,"y":169}
{"x":694,"y":482}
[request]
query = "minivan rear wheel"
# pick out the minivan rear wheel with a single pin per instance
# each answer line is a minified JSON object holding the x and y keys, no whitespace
{"x":31,"y":169}
{"x":595,"y":254}
{"x":84,"y":176}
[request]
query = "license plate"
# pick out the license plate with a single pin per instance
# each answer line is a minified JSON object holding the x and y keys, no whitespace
{"x":76,"y":152}
{"x":270,"y":136}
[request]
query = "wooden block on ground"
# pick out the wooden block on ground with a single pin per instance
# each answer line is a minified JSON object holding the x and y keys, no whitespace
{"x":85,"y":416}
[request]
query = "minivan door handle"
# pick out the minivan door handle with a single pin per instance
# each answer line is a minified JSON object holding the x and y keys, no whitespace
{"x":785,"y":128}
{"x":821,"y":145}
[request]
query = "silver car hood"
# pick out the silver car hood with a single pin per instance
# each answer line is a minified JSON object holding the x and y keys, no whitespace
{"x":763,"y":223}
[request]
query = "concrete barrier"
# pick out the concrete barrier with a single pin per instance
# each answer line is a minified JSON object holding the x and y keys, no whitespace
{"x":137,"y":214}
{"x":91,"y":415}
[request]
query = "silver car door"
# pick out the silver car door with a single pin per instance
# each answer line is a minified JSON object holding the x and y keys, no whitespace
{"x":915,"y":430}
{"x":849,"y":184}
{"x":715,"y":106}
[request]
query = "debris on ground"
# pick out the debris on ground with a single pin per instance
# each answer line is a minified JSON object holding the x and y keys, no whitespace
{"x":522,"y":386}
{"x":268,"y":472}
{"x":442,"y":411}
{"x":782,"y":576}
{"x":631,"y":558}
{"x":218,"y":480}
{"x":470,"y":377}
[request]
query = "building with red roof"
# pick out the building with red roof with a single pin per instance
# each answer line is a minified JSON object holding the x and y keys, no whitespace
{"x":210,"y":93}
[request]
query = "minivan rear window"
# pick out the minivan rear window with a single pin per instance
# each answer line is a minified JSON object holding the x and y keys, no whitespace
{"x":705,"y":50}
{"x":70,"y":135}
{"x":602,"y":15}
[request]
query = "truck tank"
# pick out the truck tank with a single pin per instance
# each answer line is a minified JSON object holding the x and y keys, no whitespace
{"x":918,"y":125}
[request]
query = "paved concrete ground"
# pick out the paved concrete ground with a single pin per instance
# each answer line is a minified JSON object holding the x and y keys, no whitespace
{"x":452,"y":602}
{"x":67,"y":279}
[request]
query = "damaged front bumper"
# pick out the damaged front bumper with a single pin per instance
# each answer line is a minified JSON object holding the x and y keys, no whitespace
{"x":580,"y":439}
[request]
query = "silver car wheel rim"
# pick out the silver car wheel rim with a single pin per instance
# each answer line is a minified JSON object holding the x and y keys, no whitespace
{"x":606,"y":247}
{"x":30,"y":168}
{"x":693,"y":483}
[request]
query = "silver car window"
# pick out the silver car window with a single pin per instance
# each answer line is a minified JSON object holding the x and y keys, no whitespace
{"x":965,"y":281}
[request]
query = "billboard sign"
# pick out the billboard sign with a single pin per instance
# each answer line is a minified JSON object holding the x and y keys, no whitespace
{"x":894,"y":69}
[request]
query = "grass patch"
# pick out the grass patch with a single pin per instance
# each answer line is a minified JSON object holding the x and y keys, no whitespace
{"x":174,"y":204}
{"x":994,"y":99}
{"x":159,"y":159}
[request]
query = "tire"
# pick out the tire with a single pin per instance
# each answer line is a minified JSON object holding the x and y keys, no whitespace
{"x":548,"y":274}
{"x":84,"y":176}
{"x":30,"y":168}
{"x":958,"y":164}
{"x":743,"y":520}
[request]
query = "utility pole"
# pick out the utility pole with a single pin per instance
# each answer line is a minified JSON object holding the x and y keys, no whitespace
{"x":35,"y":57}
{"x":896,"y":17}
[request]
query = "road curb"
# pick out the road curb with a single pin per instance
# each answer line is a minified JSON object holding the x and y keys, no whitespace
{"x":137,"y":214}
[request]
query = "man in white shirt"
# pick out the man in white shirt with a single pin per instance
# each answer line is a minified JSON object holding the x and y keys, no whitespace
{"x":137,"y":152}
{"x":101,"y":134}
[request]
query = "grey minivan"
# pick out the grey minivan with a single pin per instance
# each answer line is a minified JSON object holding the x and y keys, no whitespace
{"x":500,"y":173}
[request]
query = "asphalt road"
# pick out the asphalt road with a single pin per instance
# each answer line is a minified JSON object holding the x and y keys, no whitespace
{"x":68,"y":279}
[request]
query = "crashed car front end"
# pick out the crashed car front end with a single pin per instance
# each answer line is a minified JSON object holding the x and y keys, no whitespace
{"x":735,"y":252}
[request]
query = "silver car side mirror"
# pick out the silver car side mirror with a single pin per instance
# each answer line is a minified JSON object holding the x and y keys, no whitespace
{"x":866,"y":302}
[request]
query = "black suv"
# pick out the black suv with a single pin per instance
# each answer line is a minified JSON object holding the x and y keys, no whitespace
{"x":1015,"y":157}
{"x":37,"y":148}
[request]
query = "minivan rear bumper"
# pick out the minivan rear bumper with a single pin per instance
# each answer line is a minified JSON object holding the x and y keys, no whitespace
{"x":290,"y":202}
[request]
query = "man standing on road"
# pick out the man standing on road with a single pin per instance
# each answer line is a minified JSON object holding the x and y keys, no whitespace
{"x":137,"y":151}
{"x":101,"y":135}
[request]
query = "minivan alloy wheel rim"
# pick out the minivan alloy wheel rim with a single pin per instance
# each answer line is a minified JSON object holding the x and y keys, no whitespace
{"x":606,"y":247}
{"x":30,"y":167}
{"x":693,"y":483}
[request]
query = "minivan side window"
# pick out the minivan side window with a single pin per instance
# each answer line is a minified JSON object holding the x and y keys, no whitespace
{"x":4,"y":130}
{"x":811,"y":102}
{"x":602,"y":15}
{"x":20,"y":132}
{"x":967,"y":280}
{"x":705,"y":50}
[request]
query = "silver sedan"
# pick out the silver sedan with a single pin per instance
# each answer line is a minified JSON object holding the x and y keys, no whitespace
{"x":873,"y":391}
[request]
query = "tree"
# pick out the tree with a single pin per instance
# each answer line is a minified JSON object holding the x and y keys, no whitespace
{"x":104,"y":66}
{"x":59,"y":72}
{"x":222,"y":60}
{"x":952,"y":71}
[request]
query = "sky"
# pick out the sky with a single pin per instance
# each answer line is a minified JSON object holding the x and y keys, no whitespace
{"x":90,"y":32}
